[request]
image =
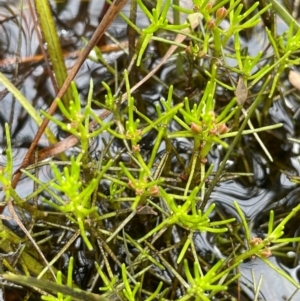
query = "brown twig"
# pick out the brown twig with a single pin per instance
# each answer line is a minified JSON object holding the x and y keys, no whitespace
{"x":71,"y":141}
{"x":112,"y":12}
{"x":110,"y":15}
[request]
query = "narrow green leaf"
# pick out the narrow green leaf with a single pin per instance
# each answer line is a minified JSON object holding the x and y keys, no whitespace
{"x":53,"y":45}
{"x":76,"y":293}
{"x":26,"y":105}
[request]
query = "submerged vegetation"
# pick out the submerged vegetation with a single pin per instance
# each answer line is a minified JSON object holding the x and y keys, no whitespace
{"x":123,"y":222}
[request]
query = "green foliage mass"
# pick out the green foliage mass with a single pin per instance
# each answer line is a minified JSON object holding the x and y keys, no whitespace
{"x":146,"y":183}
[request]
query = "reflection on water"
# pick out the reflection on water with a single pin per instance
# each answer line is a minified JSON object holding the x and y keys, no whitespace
{"x":273,"y":287}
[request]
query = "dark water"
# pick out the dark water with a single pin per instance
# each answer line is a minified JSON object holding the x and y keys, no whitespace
{"x":269,"y":187}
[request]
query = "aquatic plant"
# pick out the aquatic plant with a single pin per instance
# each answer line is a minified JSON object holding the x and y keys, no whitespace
{"x":130,"y":199}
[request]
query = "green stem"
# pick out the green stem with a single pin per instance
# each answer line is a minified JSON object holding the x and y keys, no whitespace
{"x":53,"y":45}
{"x":26,"y":105}
{"x":234,"y":142}
{"x":284,"y":14}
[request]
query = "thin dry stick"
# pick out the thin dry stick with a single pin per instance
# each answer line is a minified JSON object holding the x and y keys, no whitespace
{"x":114,"y":9}
{"x":194,"y":22}
{"x":242,"y":95}
{"x":112,"y":12}
{"x":71,"y":141}
{"x":61,"y":252}
{"x":110,"y":15}
{"x":121,"y":226}
{"x":15,"y":217}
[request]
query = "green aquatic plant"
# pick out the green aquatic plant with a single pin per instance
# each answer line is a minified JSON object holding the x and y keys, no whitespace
{"x":105,"y":199}
{"x":201,"y":286}
{"x":273,"y":240}
{"x":158,"y":19}
{"x":53,"y":45}
{"x":64,"y":292}
{"x":59,"y":281}
{"x":180,"y":214}
{"x":6,"y":172}
{"x":25,"y":103}
{"x":76,"y":201}
{"x":127,"y":291}
{"x":79,"y":119}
